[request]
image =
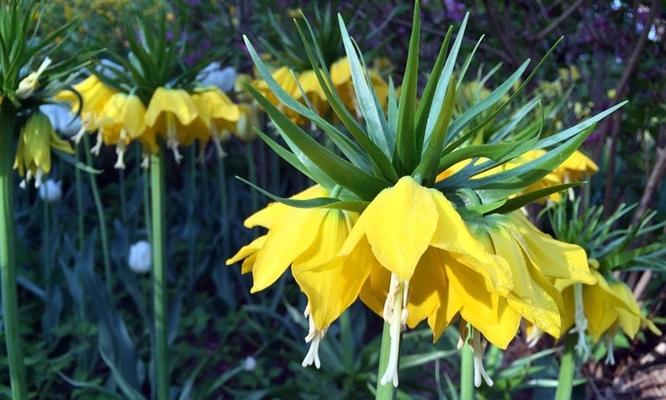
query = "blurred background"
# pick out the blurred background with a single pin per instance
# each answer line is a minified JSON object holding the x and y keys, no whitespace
{"x":84,"y":341}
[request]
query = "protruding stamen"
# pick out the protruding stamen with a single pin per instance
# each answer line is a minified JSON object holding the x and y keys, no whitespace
{"x":79,"y":135}
{"x":581,"y":322}
{"x":394,"y":315}
{"x":313,"y":337}
{"x":172,"y":137}
{"x":534,"y":336}
{"x":120,"y":162}
{"x":610,"y":355}
{"x":98,"y":145}
{"x":145,"y":161}
{"x":479,"y":347}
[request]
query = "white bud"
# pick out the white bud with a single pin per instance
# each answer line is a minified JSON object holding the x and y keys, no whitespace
{"x":249,"y":364}
{"x":139,"y":259}
{"x":50,"y":191}
{"x":215,"y":75}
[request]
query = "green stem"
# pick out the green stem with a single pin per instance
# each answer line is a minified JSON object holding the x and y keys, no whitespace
{"x":100,"y":215}
{"x":567,"y":369}
{"x":79,"y":200}
{"x":384,"y":392}
{"x":7,"y":260}
{"x":467,"y":372}
{"x":159,"y":274}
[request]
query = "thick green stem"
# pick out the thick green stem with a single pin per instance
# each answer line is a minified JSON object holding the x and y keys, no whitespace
{"x":7,"y":261}
{"x":384,"y":392}
{"x":567,"y":369}
{"x":159,"y":274}
{"x":467,"y":372}
{"x":101,"y":217}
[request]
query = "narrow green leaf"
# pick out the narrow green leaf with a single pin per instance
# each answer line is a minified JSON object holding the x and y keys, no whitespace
{"x":405,"y":154}
{"x":319,"y":202}
{"x":341,"y":171}
{"x":528,"y":198}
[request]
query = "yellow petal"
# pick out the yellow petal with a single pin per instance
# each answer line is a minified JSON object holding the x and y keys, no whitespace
{"x":284,"y":243}
{"x":326,"y":246}
{"x":175,"y":101}
{"x":273,"y":213}
{"x":553,"y":258}
{"x":425,"y":287}
{"x":340,"y":72}
{"x":399,"y":224}
{"x":248,"y":250}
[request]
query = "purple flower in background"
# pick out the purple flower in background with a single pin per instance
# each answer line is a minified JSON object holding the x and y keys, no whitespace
{"x":456,"y":10}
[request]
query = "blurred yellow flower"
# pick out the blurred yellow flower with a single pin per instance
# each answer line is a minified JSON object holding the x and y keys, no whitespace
{"x":33,"y":151}
{"x":218,"y":112}
{"x":121,"y":121}
{"x":172,"y":114}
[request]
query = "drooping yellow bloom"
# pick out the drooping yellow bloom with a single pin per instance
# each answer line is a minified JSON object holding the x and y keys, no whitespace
{"x":248,"y":119}
{"x":608,"y":306}
{"x":218,"y":112}
{"x":95,"y":95}
{"x":121,"y":121}
{"x":309,"y":241}
{"x":536,"y":260}
{"x":428,"y":264}
{"x":33,"y":151}
{"x":342,"y":80}
{"x":172,"y":114}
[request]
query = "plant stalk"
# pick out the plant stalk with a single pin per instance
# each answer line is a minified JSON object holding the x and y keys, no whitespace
{"x":158,"y":245}
{"x":467,"y":372}
{"x":7,"y":257}
{"x":567,"y":369}
{"x":384,"y":392}
{"x":100,"y":215}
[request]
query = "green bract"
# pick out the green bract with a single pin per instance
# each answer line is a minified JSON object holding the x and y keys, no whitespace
{"x":419,"y":136}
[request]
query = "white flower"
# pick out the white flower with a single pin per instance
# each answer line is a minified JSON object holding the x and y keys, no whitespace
{"x":61,"y":119}
{"x":50,"y":191}
{"x":249,"y":364}
{"x":139,"y":257}
{"x":215,"y":75}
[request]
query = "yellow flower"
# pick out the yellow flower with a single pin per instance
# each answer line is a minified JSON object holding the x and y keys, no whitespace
{"x":428,"y":264}
{"x":172,"y":114}
{"x":330,"y":283}
{"x":33,"y":151}
{"x":94,"y":94}
{"x":121,"y":121}
{"x":536,"y":260}
{"x":608,"y":306}
{"x":309,"y":83}
{"x":247,"y":121}
{"x":218,"y":112}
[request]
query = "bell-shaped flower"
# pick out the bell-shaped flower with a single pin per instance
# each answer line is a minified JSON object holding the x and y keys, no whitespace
{"x":33,"y":151}
{"x":121,"y":121}
{"x":173,"y":115}
{"x":218,"y":112}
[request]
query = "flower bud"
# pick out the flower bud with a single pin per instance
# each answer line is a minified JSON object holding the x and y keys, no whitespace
{"x":29,"y":84}
{"x":139,"y":259}
{"x":50,"y":191}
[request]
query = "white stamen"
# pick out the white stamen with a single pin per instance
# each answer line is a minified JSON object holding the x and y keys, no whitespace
{"x":395,"y":314}
{"x":79,"y":135}
{"x":581,"y":322}
{"x":534,"y":337}
{"x":120,"y":162}
{"x":313,"y":337}
{"x":38,"y":177}
{"x":172,"y":137}
{"x":145,"y":161}
{"x":479,"y":370}
{"x":98,"y":145}
{"x":22,"y":184}
{"x":610,"y":356}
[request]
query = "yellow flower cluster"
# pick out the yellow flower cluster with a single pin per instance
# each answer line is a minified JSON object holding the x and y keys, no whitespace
{"x":410,"y":257}
{"x":177,"y":116}
{"x":305,"y":88}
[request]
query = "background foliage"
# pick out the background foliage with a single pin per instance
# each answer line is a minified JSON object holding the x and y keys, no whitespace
{"x":83,"y":343}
